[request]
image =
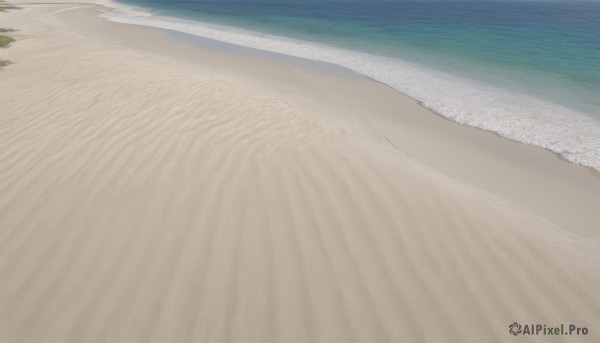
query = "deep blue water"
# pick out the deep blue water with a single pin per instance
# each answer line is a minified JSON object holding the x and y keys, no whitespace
{"x":527,"y":70}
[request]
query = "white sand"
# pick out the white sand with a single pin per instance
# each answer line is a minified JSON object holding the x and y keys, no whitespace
{"x":146,"y":198}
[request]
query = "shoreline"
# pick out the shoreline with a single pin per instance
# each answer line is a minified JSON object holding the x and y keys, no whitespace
{"x":488,"y":115}
{"x":302,"y":63}
{"x":323,"y":68}
{"x":153,"y":191}
{"x":532,"y":177}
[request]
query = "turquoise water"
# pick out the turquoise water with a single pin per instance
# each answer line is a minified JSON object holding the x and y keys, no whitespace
{"x":529,"y":71}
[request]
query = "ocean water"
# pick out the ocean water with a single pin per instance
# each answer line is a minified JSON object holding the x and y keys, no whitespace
{"x":529,"y":71}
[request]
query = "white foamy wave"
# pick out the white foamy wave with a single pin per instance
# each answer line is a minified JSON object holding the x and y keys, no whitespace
{"x":572,"y":135}
{"x":122,"y":9}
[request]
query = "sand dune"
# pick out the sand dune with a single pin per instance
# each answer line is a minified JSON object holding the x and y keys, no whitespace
{"x":146,"y":200}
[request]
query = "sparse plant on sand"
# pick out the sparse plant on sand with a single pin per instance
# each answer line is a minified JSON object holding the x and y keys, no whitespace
{"x":5,"y":40}
{"x":6,"y":6}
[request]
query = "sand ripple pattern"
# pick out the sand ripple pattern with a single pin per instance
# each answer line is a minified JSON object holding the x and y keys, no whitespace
{"x":143,"y":201}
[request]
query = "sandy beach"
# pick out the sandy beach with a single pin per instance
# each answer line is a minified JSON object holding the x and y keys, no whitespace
{"x":155,"y":191}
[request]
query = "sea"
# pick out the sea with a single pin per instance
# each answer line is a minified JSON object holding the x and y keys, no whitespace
{"x":526,"y":70}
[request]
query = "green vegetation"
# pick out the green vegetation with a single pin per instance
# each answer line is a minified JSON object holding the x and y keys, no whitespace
{"x":5,"y":40}
{"x":6,"y":6}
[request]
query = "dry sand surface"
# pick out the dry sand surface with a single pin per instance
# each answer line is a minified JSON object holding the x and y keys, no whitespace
{"x":146,"y":198}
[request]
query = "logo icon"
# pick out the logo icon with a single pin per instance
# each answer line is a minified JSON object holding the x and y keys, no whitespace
{"x":515,"y":328}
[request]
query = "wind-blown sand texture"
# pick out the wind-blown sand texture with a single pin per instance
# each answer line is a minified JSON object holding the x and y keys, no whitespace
{"x":144,"y":199}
